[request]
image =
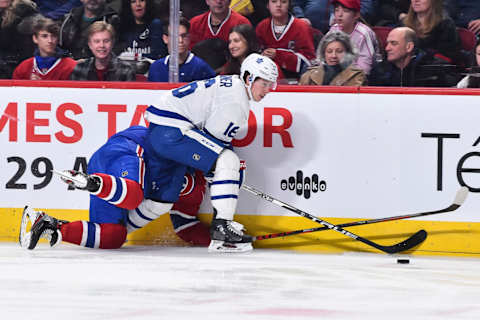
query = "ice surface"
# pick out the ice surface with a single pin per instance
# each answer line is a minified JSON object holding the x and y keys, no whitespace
{"x":69,"y":282}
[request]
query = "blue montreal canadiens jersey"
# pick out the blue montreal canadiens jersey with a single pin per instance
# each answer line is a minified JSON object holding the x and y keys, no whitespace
{"x":158,"y":174}
{"x":218,"y":106}
{"x":192,"y":69}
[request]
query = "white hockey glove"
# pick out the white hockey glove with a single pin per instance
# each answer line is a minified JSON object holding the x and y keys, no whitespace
{"x":80,"y":180}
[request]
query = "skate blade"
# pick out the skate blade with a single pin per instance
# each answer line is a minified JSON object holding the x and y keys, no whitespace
{"x":28,"y":218}
{"x":222,"y":246}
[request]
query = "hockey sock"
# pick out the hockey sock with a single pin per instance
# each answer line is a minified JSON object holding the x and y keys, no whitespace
{"x":121,"y":192}
{"x":184,"y":212}
{"x":147,"y":211}
{"x":94,"y":235}
{"x":225,"y":186}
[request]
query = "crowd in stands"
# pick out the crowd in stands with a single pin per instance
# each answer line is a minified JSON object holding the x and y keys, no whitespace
{"x":406,"y":43}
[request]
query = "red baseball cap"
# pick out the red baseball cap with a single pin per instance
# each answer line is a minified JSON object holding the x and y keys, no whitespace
{"x":350,"y":4}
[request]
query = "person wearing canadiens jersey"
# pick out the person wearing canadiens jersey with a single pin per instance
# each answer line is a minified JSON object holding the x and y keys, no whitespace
{"x":191,"y":128}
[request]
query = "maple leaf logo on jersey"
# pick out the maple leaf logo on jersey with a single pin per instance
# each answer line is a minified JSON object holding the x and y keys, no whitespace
{"x":259,"y":60}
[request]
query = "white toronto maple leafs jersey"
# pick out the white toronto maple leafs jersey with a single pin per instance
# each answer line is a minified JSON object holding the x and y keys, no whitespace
{"x":218,"y":106}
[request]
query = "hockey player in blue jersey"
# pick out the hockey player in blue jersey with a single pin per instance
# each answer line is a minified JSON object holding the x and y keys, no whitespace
{"x":193,"y":126}
{"x":123,"y":180}
{"x":190,"y":127}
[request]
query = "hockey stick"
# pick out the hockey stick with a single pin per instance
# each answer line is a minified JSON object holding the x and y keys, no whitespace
{"x":457,"y":202}
{"x":409,"y":243}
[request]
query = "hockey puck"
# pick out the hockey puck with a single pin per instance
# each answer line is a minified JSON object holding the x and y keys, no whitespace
{"x":403,"y":261}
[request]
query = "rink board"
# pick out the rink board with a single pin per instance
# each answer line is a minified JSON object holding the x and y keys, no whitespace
{"x":342,"y":153}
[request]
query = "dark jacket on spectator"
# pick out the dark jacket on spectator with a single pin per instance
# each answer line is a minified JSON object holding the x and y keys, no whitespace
{"x":145,"y":39}
{"x":73,"y":37}
{"x":16,"y":42}
{"x":422,"y":71}
{"x":443,"y":40}
{"x":463,"y":11}
{"x":56,"y":9}
{"x":389,"y":10}
{"x":117,"y":70}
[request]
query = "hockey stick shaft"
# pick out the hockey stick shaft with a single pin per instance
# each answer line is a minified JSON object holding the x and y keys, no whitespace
{"x":409,"y":243}
{"x":460,"y":197}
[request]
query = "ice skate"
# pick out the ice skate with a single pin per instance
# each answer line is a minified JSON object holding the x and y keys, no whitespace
{"x":42,"y":226}
{"x":228,"y":236}
{"x":80,"y":180}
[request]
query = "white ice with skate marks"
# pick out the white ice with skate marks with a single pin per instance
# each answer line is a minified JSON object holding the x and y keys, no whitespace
{"x":188,"y":283}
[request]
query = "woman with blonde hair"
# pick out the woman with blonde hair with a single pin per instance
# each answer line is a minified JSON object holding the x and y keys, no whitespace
{"x":335,"y":57}
{"x":436,"y":31}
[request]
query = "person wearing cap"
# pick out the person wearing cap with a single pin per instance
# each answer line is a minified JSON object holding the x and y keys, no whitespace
{"x":335,"y":57}
{"x":347,"y":19}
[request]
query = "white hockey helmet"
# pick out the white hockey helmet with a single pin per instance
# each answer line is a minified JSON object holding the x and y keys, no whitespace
{"x":258,"y":66}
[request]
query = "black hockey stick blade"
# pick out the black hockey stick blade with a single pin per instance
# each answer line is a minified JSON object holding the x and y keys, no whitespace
{"x":399,"y":247}
{"x":408,"y":244}
{"x":460,"y":197}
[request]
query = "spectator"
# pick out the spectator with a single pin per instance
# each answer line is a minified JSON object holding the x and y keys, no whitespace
{"x":189,"y":8}
{"x":191,"y":67}
{"x":392,"y":12}
{"x":436,"y":32}
{"x":259,"y":13}
{"x":336,"y":55}
{"x":466,"y":14}
{"x":315,"y":13}
{"x":215,"y":23}
{"x":242,"y":41}
{"x":213,"y":51}
{"x":472,"y":80}
{"x":285,"y":39}
{"x":104,"y":65}
{"x":319,"y":13}
{"x":347,"y":15}
{"x":16,"y":20}
{"x":56,"y":9}
{"x":408,"y":66}
{"x":140,"y":32}
{"x":369,"y":10}
{"x":74,"y":29}
{"x":49,"y":62}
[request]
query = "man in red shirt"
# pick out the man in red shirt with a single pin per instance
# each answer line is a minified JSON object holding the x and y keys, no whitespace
{"x":215,"y":23}
{"x":49,"y":62}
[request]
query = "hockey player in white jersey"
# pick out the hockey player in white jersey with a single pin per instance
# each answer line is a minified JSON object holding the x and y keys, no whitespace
{"x":193,"y":126}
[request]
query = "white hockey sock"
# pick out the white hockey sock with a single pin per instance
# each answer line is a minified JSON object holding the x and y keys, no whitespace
{"x":225,"y":185}
{"x":147,"y":211}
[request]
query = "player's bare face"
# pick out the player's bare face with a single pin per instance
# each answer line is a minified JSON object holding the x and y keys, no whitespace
{"x":345,"y":18}
{"x":237,"y":45}
{"x":218,"y":6}
{"x":421,"y":6}
{"x":278,"y":8}
{"x":334,"y":53}
{"x":260,"y":88}
{"x":46,"y":42}
{"x":138,"y":9}
{"x":101,"y":44}
{"x":5,"y":4}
